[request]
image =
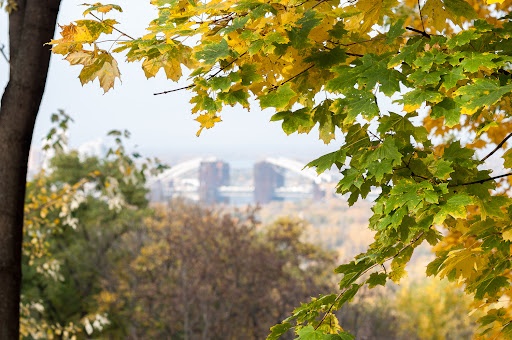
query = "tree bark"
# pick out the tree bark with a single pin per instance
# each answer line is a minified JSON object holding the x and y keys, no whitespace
{"x":30,"y":27}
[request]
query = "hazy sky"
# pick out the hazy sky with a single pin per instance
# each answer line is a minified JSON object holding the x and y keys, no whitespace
{"x":160,"y":125}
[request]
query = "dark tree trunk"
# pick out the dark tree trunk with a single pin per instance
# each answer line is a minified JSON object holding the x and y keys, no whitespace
{"x":30,"y":26}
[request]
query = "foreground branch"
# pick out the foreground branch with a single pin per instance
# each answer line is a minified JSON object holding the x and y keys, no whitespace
{"x":497,"y":147}
{"x":481,"y":180}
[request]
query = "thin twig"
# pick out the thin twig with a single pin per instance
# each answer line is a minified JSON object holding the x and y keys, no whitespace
{"x":225,"y":67}
{"x":423,"y":33}
{"x":481,"y":180}
{"x":115,"y":29}
{"x":208,"y":78}
{"x":2,"y":46}
{"x":175,"y":90}
{"x":275,"y":87}
{"x":354,"y":54}
{"x":421,"y":16}
{"x":497,"y":147}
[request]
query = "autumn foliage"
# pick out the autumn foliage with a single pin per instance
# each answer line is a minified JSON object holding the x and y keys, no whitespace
{"x":445,"y":65}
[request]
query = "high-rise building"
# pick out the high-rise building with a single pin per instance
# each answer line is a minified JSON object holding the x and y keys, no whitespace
{"x":212,"y":175}
{"x":266,"y":180}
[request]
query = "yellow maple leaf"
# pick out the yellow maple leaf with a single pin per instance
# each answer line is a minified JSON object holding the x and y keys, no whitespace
{"x":207,"y":120}
{"x":171,"y":67}
{"x":436,"y":14}
{"x":98,"y":64}
{"x":494,"y":1}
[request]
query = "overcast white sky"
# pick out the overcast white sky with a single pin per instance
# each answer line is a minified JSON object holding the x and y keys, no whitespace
{"x":160,"y":125}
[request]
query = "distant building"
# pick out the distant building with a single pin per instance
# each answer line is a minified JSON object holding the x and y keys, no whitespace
{"x":266,"y":180}
{"x":212,"y":175}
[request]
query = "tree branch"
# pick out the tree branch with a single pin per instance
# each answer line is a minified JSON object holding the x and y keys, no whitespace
{"x":497,"y":147}
{"x":410,"y":244}
{"x":208,"y":78}
{"x":275,"y":87}
{"x":421,"y":17}
{"x":423,"y":33}
{"x":115,"y":29}
{"x":2,"y":46}
{"x":481,"y":180}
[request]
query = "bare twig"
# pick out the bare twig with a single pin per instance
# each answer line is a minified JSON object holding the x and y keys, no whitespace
{"x":115,"y":29}
{"x":2,"y":46}
{"x":421,"y":16}
{"x":208,"y":78}
{"x":423,"y":33}
{"x":497,"y":147}
{"x":481,"y":180}
{"x":175,"y":90}
{"x":275,"y":87}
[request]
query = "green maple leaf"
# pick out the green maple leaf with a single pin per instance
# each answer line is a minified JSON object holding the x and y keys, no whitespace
{"x":278,"y":330}
{"x":326,"y":162}
{"x":249,"y":74}
{"x":449,"y":110}
{"x":374,"y":71}
{"x":460,"y":8}
{"x":427,"y":59}
{"x":455,"y":206}
{"x":279,"y":98}
{"x":491,"y":286}
{"x":419,"y":96}
{"x":422,"y":78}
{"x":463,"y":38}
{"x":507,"y":156}
{"x":377,"y":279}
{"x":327,"y":59}
{"x":387,"y":151}
{"x":441,"y":169}
{"x":204,"y":103}
{"x":483,"y":92}
{"x":451,"y":78}
{"x":220,"y":83}
{"x":396,"y":30}
{"x":299,"y":34}
{"x":213,"y":52}
{"x":346,"y":79}
{"x":235,"y":97}
{"x":358,"y":102}
{"x":324,"y":116}
{"x":408,"y":54}
{"x":294,"y":121}
{"x":380,"y":169}
{"x":474,"y":61}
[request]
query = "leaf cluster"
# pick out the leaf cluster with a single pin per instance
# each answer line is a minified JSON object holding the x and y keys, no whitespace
{"x":445,"y":65}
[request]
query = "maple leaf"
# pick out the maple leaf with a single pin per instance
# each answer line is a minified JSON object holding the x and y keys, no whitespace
{"x":279,"y":98}
{"x":207,"y":121}
{"x":482,"y":93}
{"x":98,"y":64}
{"x":455,"y":206}
{"x":100,"y":8}
{"x":335,"y":67}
